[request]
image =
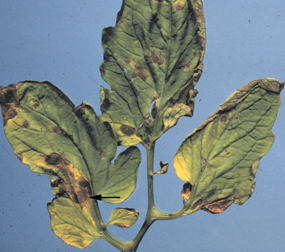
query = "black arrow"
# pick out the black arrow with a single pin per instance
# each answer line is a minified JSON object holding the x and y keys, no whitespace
{"x":100,"y":197}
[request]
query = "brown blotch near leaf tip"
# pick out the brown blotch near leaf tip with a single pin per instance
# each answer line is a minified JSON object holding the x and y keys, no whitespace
{"x":121,"y":225}
{"x":8,"y":94}
{"x":20,"y":157}
{"x":26,"y":124}
{"x":218,"y":206}
{"x":186,"y":191}
{"x":107,"y":34}
{"x":156,"y":57}
{"x":128,"y":130}
{"x":79,"y":111}
{"x":224,"y":118}
{"x":9,"y":102}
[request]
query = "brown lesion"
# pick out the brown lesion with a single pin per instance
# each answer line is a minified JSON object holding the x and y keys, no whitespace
{"x":156,"y":57}
{"x":57,"y":130}
{"x":26,"y":124}
{"x":227,"y":152}
{"x":55,"y":159}
{"x":224,"y":118}
{"x":186,"y":192}
{"x":196,"y":54}
{"x":218,"y":206}
{"x":197,"y":205}
{"x":20,"y":157}
{"x":70,"y":182}
{"x":79,"y":111}
{"x":215,"y":207}
{"x":103,"y":154}
{"x":128,"y":130}
{"x":139,"y":72}
{"x":9,"y":102}
{"x":128,"y":60}
{"x":188,"y":66}
{"x":36,"y":104}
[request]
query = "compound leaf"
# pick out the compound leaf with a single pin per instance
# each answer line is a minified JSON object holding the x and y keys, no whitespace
{"x":220,"y":158}
{"x":153,"y":55}
{"x":123,"y":217}
{"x":70,"y":145}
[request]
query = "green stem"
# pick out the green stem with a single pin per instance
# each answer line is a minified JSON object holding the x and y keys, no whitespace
{"x":152,"y":213}
{"x":121,"y":245}
{"x":150,"y":162}
{"x":149,"y":220}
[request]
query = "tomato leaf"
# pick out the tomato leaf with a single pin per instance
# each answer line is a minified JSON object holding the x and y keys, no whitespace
{"x":153,"y":55}
{"x":123,"y":217}
{"x":73,"y":147}
{"x":220,"y":158}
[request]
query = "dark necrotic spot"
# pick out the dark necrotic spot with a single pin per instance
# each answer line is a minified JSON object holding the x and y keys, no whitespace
{"x":187,"y":187}
{"x":65,"y":162}
{"x":156,"y":57}
{"x":83,"y":183}
{"x":36,"y":104}
{"x":11,"y":114}
{"x":56,"y":130}
{"x":188,"y":66}
{"x":20,"y":157}
{"x":224,"y":118}
{"x":196,"y":54}
{"x":138,"y":72}
{"x":127,"y":130}
{"x":56,"y":182}
{"x":218,"y":206}
{"x":107,"y":33}
{"x":53,"y":159}
{"x":197,"y":204}
{"x":128,"y":60}
{"x":106,"y":103}
{"x":103,"y":154}
{"x":26,"y":124}
{"x":8,"y":94}
{"x":79,"y":111}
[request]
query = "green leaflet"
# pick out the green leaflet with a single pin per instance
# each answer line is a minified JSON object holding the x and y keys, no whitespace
{"x":153,"y":54}
{"x":123,"y":217}
{"x":220,"y":158}
{"x":73,"y":225}
{"x":54,"y":137}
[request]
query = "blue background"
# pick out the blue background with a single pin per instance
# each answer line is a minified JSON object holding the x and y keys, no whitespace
{"x":60,"y":41}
